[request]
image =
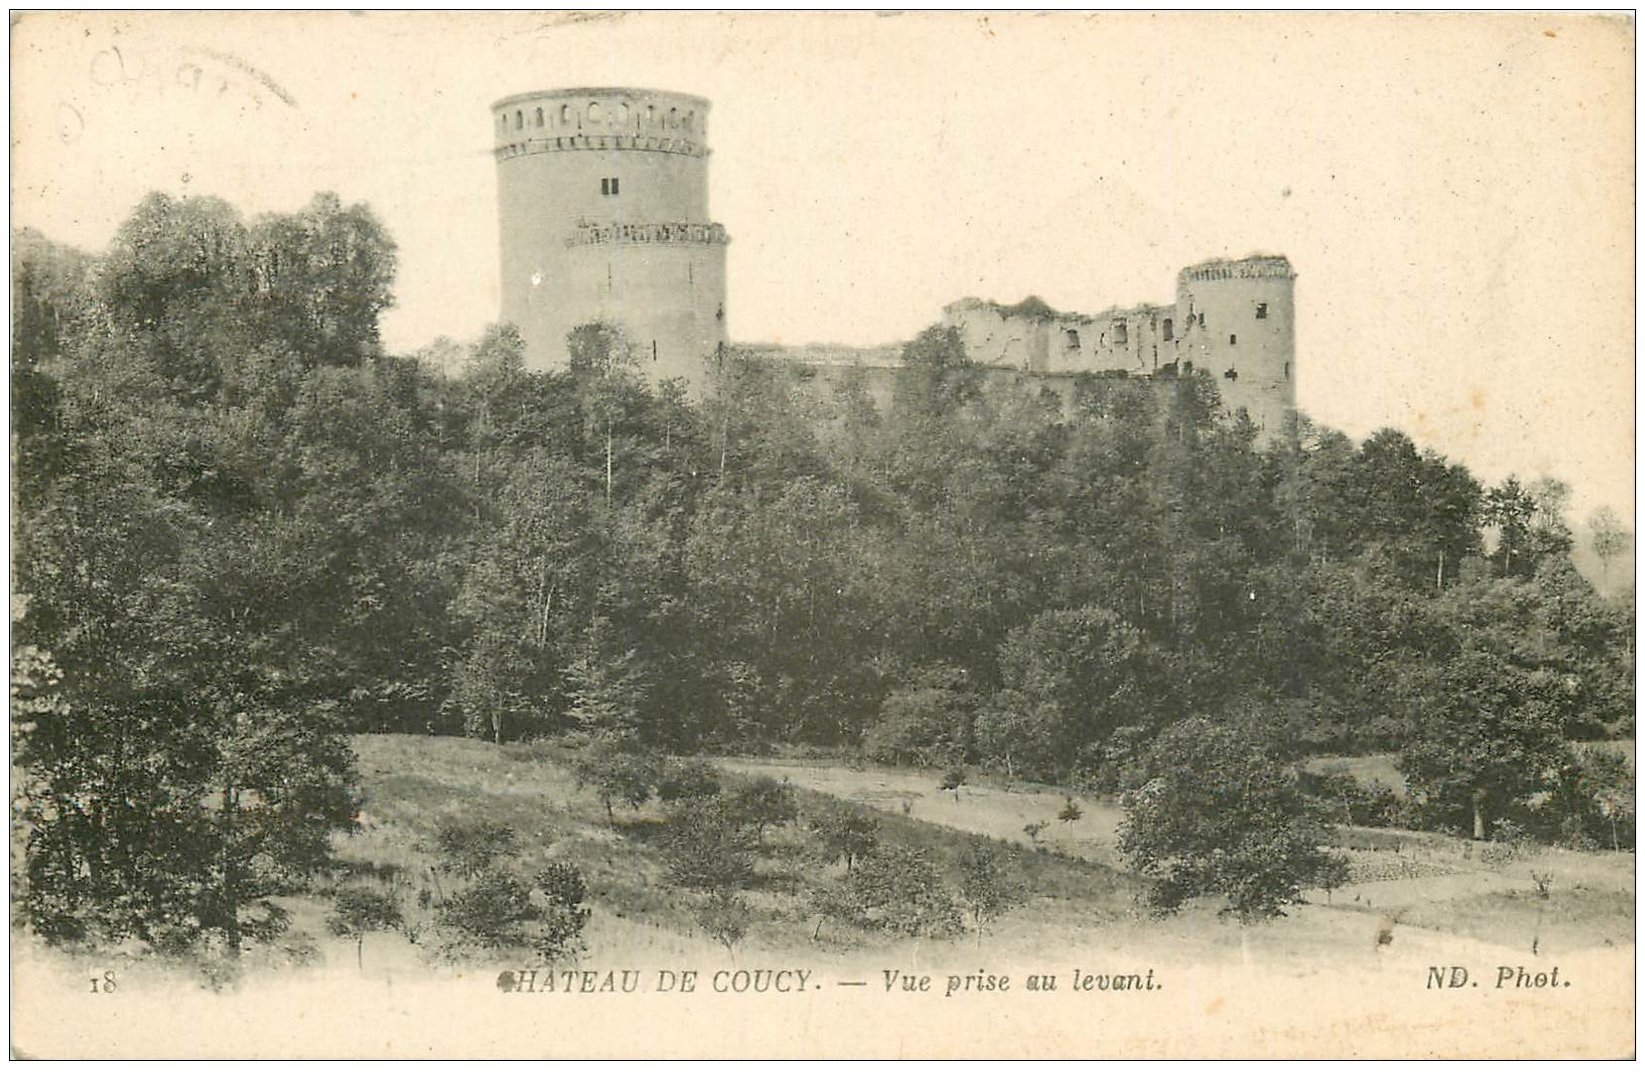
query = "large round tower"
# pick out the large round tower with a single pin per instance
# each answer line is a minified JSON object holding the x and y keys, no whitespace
{"x":1237,"y":321}
{"x":603,"y":209}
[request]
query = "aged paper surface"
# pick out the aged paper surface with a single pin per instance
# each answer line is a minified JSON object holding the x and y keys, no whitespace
{"x":1456,"y":195}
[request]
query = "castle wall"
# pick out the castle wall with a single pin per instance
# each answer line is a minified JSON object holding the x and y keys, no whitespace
{"x":603,"y":214}
{"x":1128,"y":339}
{"x":1233,"y":318}
{"x":995,"y":339}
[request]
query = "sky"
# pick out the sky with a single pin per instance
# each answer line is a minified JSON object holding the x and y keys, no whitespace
{"x":1456,"y":192}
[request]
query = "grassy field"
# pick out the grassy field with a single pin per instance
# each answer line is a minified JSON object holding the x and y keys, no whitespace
{"x":1078,"y":898}
{"x":414,"y":785}
{"x":1348,"y":970}
{"x":1404,"y":885}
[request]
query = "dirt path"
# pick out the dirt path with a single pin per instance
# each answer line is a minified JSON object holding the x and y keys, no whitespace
{"x":986,"y":810}
{"x":1445,"y":885}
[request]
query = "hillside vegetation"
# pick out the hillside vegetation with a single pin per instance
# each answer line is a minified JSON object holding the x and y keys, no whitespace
{"x":244,"y":533}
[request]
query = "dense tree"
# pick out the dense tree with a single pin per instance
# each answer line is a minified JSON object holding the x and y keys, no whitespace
{"x":1485,"y":735}
{"x":1082,"y":673}
{"x":242,"y":531}
{"x":1221,"y":815}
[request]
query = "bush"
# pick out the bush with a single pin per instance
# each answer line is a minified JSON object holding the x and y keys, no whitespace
{"x":357,"y":912}
{"x":844,"y":832}
{"x":468,"y":850}
{"x":725,"y":916}
{"x":762,"y":802}
{"x":690,"y":779}
{"x":896,"y":890}
{"x":498,"y":910}
{"x":707,"y":848}
{"x":1123,"y":758}
{"x":490,"y":912}
{"x":1592,"y":802}
{"x":1220,"y":815}
{"x":618,"y":770}
{"x":1015,"y":734}
{"x":563,"y":916}
{"x":927,"y":724}
{"x":1345,"y":800}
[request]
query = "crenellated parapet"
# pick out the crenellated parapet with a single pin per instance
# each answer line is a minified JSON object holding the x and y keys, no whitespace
{"x":1253,"y":266}
{"x":606,"y":118}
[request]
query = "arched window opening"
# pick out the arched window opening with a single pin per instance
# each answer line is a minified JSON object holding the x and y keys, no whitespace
{"x":539,"y":116}
{"x":651,"y":115}
{"x":565,"y":114}
{"x":519,"y":120}
{"x":622,"y":114}
{"x":594,"y":114}
{"x":673,"y":119}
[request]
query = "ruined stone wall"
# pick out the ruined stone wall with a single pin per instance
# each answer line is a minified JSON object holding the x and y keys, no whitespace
{"x":1232,"y":318}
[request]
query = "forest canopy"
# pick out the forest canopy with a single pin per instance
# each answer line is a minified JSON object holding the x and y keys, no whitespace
{"x":243,"y":530}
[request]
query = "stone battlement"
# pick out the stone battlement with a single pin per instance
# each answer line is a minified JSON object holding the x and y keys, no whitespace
{"x":1253,"y":266}
{"x":606,"y":118}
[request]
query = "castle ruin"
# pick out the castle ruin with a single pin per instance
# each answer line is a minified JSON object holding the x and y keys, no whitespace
{"x":1233,"y":318}
{"x":603,"y":213}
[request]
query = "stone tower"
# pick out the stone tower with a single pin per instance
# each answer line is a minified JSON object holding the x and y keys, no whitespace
{"x":1236,"y":320}
{"x":603,"y":212}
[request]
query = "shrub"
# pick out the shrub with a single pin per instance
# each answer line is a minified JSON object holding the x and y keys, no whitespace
{"x":1220,"y":815}
{"x":761,"y":802}
{"x":987,"y":885}
{"x":926,"y":724}
{"x":844,"y":832}
{"x":1509,"y":841}
{"x":1070,"y":811}
{"x":1016,"y":733}
{"x":357,"y":912}
{"x":707,"y":848}
{"x":678,"y":780}
{"x":563,"y":916}
{"x":1123,"y":757}
{"x":1347,"y":801}
{"x":490,"y":911}
{"x":897,"y":890}
{"x":725,"y":916}
{"x":618,"y":770}
{"x":1592,"y":802}
{"x":468,"y":850}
